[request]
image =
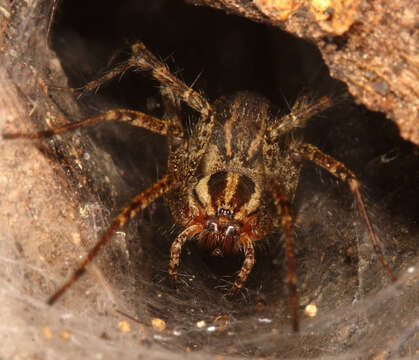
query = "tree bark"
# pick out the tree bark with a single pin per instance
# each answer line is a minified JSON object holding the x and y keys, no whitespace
{"x":370,"y":45}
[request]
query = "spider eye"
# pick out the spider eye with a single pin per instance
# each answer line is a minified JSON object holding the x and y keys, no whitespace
{"x":224,"y":212}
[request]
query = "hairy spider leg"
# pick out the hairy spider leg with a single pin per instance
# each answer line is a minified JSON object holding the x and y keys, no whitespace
{"x":135,"y":118}
{"x":249,"y":253}
{"x":282,"y":205}
{"x":248,"y":263}
{"x":143,"y":60}
{"x":138,"y":203}
{"x":176,"y":248}
{"x":338,"y":169}
{"x":302,"y":111}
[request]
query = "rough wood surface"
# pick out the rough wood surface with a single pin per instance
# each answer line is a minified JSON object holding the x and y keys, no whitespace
{"x":370,"y":45}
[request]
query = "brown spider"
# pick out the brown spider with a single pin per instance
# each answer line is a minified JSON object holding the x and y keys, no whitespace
{"x":230,"y":182}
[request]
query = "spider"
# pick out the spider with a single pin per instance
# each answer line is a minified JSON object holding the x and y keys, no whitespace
{"x":231,"y":179}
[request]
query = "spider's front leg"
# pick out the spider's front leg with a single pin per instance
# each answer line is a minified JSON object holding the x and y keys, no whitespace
{"x":175,"y":90}
{"x":135,"y":118}
{"x":177,"y":248}
{"x":138,"y":203}
{"x":302,"y":111}
{"x":338,"y":169}
{"x":282,"y":205}
{"x":249,"y":261}
{"x":143,"y":59}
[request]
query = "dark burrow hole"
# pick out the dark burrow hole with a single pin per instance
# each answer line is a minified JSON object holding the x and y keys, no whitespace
{"x":221,"y":54}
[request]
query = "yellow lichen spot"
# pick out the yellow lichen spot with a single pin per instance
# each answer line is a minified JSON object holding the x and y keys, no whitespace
{"x":124,"y":326}
{"x":158,"y":324}
{"x":311,"y":310}
{"x":335,"y":16}
{"x":76,"y":239}
{"x":47,"y":332}
{"x":321,"y":8}
{"x":278,"y":9}
{"x":84,"y":211}
{"x":65,"y":335}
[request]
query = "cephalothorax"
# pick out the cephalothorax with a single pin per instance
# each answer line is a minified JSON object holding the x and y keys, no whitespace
{"x":230,"y":181}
